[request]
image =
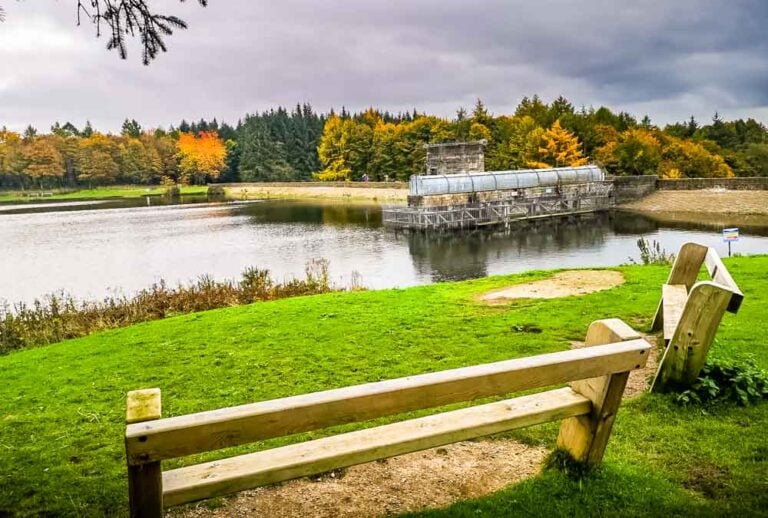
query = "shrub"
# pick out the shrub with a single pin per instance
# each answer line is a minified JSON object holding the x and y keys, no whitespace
{"x":728,"y":381}
{"x":60,"y":316}
{"x":652,"y":253}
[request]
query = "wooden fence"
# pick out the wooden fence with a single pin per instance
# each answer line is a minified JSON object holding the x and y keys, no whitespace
{"x":588,"y":408}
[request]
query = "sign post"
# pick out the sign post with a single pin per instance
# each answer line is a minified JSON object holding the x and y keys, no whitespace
{"x":729,"y":236}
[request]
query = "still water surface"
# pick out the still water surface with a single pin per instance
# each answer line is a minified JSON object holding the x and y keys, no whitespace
{"x":95,"y":249}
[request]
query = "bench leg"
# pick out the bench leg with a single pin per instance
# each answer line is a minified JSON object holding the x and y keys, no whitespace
{"x":585,"y":437}
{"x":145,"y":490}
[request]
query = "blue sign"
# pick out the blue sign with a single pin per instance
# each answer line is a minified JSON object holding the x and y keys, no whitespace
{"x":730,"y":234}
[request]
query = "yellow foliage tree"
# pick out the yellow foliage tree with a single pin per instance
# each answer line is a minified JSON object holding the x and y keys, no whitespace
{"x":201,"y":157}
{"x":333,"y":150}
{"x":558,"y":148}
{"x":97,"y":159}
{"x":478,"y":131}
{"x":635,"y":152}
{"x":688,"y":159}
{"x":12,"y":161}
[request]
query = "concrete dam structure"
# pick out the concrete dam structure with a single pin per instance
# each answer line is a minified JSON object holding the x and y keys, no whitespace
{"x":480,"y":199}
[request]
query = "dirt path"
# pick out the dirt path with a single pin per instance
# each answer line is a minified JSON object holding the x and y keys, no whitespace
{"x":563,"y":284}
{"x":704,"y":202}
{"x":422,"y":480}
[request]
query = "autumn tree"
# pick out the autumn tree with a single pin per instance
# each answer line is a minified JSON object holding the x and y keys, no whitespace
{"x":12,"y":161}
{"x":138,"y":163}
{"x":98,"y":160}
{"x":44,"y":163}
{"x":687,"y":159}
{"x":558,"y":148}
{"x":167,"y":150}
{"x":520,"y":138}
{"x":635,"y":152}
{"x":201,"y":157}
{"x":334,"y":150}
{"x":67,"y":143}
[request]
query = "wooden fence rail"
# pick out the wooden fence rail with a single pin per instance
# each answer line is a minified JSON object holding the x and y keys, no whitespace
{"x":588,"y":409}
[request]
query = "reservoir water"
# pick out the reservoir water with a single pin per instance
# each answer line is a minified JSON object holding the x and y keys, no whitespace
{"x":93,"y":249}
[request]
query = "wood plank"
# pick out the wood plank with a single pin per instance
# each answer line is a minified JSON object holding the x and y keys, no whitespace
{"x":143,"y":405}
{"x":206,"y":431}
{"x":685,"y":270}
{"x":609,"y":331}
{"x":719,"y":273}
{"x":586,"y":437}
{"x":145,"y":482}
{"x":674,"y":297}
{"x":267,"y":467}
{"x":687,"y":351}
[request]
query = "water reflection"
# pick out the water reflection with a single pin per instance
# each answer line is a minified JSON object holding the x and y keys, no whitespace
{"x":89,"y":251}
{"x":317,"y":213}
{"x":452,"y":256}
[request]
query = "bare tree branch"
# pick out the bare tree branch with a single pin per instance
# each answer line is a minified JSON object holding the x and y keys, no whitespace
{"x":129,"y":19}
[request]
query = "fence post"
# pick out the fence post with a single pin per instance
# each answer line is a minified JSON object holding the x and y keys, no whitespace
{"x":145,"y":481}
{"x":585,"y":437}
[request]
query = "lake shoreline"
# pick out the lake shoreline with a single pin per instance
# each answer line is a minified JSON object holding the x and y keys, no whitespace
{"x":714,"y":202}
{"x":387,"y":193}
{"x":392,"y":192}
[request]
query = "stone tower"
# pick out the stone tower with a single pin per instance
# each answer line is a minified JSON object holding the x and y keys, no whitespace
{"x":456,"y":157}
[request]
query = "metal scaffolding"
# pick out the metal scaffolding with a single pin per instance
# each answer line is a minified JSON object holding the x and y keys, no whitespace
{"x":582,"y":198}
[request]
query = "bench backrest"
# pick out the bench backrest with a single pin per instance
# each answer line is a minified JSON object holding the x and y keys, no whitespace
{"x":603,"y":370}
{"x":690,"y":313}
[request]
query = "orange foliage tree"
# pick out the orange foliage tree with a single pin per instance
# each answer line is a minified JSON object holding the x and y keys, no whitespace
{"x":201,"y":157}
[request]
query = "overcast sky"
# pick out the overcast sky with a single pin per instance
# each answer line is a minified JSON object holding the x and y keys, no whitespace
{"x":668,"y":58}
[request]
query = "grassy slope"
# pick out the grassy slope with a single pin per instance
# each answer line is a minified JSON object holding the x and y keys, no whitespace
{"x":128,"y":191}
{"x":61,"y":407}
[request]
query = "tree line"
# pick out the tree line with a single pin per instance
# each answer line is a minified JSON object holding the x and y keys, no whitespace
{"x":301,"y":144}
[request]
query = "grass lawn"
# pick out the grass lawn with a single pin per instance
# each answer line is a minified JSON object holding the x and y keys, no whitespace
{"x":99,"y":193}
{"x":62,"y":406}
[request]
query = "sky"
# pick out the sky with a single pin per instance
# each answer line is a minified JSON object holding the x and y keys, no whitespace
{"x":667,"y":59}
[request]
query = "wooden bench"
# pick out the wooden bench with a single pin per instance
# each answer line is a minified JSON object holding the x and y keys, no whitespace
{"x":690,"y":312}
{"x":588,"y":408}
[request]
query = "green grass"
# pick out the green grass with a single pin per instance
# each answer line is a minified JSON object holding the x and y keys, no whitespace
{"x":62,"y":406}
{"x":99,"y":193}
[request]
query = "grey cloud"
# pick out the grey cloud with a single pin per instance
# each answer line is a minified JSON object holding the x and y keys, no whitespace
{"x":671,"y":59}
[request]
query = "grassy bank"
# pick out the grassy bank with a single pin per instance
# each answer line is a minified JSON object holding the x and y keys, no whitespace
{"x":62,"y":406}
{"x":99,"y":193}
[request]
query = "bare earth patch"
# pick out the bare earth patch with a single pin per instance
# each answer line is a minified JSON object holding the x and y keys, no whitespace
{"x":704,"y":201}
{"x":422,"y":480}
{"x":563,"y":284}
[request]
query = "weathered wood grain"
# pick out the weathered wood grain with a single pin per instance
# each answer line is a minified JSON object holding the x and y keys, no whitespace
{"x":206,"y":431}
{"x":267,"y":467}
